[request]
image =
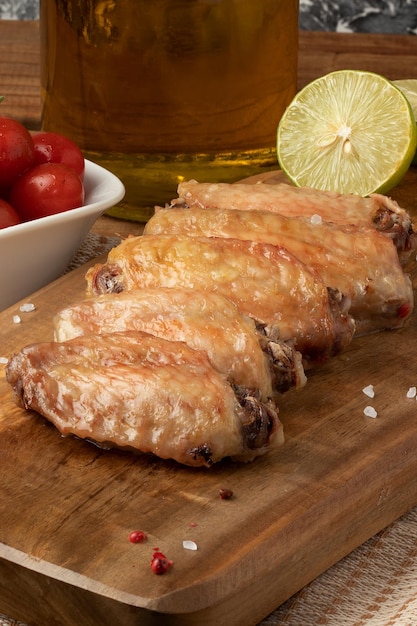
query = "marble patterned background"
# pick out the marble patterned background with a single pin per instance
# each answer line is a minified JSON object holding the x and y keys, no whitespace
{"x":369,"y":16}
{"x":19,"y":9}
{"x":378,"y":16}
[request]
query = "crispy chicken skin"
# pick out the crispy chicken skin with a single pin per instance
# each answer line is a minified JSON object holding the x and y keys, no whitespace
{"x":361,"y":263}
{"x":377,"y":210}
{"x":142,"y":392}
{"x":265,"y":282}
{"x":248,"y":355}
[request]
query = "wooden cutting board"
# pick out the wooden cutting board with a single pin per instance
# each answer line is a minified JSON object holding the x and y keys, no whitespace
{"x":67,"y":507}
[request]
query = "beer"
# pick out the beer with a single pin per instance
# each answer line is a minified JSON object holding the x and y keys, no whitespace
{"x":159,"y":91}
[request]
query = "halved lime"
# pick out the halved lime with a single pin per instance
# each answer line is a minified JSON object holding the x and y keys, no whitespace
{"x":349,"y":131}
{"x":409,"y":88}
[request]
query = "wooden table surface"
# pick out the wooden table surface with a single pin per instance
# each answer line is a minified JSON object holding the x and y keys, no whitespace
{"x":319,"y":53}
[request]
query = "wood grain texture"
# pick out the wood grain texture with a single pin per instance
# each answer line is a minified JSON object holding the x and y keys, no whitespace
{"x":67,"y":507}
{"x":391,"y":55}
{"x":19,"y":71}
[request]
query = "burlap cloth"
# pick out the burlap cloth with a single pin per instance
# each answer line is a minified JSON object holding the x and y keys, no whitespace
{"x":375,"y":585}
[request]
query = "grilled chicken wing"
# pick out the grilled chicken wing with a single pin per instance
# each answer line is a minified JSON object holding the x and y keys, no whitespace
{"x":363,"y":264}
{"x":377,"y":210}
{"x":265,"y":282}
{"x":142,"y":392}
{"x":249,"y":355}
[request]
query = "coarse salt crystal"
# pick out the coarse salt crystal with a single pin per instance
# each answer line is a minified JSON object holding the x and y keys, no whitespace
{"x":316,"y":219}
{"x":369,"y":411}
{"x":3,"y":360}
{"x":27,"y":307}
{"x":369,"y":391}
{"x":189,"y":545}
{"x":17,"y":319}
{"x":412,"y":392}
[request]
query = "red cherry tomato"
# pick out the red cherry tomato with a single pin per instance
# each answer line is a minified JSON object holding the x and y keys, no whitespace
{"x":8,"y":216}
{"x":17,"y":151}
{"x":54,"y":148}
{"x":46,"y":189}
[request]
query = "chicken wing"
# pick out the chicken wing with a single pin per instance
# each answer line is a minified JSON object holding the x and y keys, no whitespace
{"x":363,"y":264}
{"x":249,"y":355}
{"x":377,"y":210}
{"x":137,"y":391}
{"x":265,"y":282}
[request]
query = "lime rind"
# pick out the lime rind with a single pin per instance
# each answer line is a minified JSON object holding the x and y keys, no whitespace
{"x":409,"y":88}
{"x":349,"y":131}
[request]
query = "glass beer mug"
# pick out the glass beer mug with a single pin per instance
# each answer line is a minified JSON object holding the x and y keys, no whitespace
{"x":160,"y":91}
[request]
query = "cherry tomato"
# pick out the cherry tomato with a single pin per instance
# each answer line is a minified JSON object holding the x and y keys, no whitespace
{"x":8,"y":216}
{"x":54,"y":148}
{"x":17,"y":151}
{"x":46,"y":189}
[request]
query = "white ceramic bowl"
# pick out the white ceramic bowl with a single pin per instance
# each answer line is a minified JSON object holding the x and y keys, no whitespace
{"x":35,"y":253}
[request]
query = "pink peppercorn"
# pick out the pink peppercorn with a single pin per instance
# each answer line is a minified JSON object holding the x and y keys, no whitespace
{"x":159,"y":563}
{"x":137,"y":536}
{"x":225,"y":494}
